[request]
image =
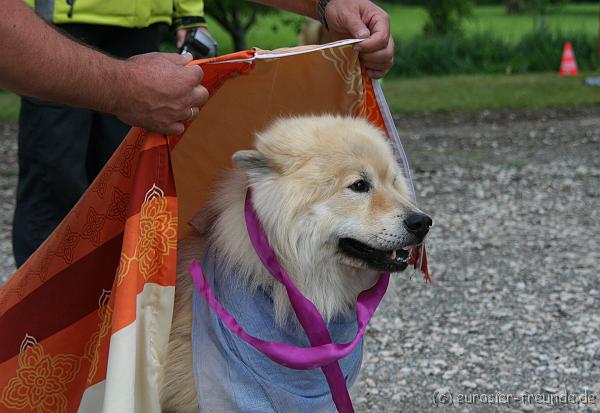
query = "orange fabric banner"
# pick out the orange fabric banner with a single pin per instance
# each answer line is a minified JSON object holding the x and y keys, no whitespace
{"x":85,"y":322}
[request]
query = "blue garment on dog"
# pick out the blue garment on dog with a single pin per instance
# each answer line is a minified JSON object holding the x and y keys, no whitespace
{"x":234,"y":377}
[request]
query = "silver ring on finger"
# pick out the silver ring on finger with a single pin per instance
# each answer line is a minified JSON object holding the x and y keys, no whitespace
{"x":193,"y":113}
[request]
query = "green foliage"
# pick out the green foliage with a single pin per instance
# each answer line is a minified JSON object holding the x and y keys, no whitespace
{"x":446,"y":16}
{"x":486,"y":52}
{"x":9,"y":105}
{"x":538,"y":9}
{"x":451,"y":54}
{"x":443,"y":16}
{"x":542,"y":7}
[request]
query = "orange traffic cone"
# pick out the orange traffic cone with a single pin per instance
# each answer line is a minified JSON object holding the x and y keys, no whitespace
{"x":568,"y":66}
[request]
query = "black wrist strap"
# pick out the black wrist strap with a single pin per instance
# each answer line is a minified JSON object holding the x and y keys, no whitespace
{"x":321,"y":5}
{"x":189,"y":21}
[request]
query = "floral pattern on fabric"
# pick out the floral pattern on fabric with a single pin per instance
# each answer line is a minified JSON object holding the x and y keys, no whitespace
{"x":157,"y":236}
{"x":41,"y":381}
{"x":346,"y":67}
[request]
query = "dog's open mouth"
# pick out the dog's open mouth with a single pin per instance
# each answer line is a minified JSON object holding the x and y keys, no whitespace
{"x":381,"y":260}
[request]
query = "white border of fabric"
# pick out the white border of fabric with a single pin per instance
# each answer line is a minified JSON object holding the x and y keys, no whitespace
{"x":274,"y":55}
{"x":307,"y":50}
{"x":390,"y":126}
{"x":393,"y":134}
{"x":136,"y":358}
{"x":91,"y":400}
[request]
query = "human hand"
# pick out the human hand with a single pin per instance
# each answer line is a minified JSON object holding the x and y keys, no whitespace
{"x":180,"y":37}
{"x":159,"y":91}
{"x":364,"y":20}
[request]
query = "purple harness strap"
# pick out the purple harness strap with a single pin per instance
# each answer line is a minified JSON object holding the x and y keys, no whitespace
{"x":322,"y":353}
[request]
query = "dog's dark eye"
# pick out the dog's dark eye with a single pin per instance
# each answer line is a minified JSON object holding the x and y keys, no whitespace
{"x":360,"y":186}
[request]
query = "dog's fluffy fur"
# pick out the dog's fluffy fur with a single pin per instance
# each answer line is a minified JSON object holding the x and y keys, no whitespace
{"x":306,"y":175}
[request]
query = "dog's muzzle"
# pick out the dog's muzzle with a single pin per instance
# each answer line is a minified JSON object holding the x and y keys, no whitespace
{"x":380,"y":260}
{"x":393,"y":260}
{"x":417,"y":224}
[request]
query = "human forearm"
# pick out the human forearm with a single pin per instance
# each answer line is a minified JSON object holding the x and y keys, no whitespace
{"x":155,"y":91}
{"x":38,"y":61}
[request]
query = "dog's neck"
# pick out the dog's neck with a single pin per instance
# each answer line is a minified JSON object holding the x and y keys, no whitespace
{"x":331,"y":286}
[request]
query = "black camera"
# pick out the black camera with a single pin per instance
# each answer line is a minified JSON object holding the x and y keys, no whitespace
{"x":199,"y":43}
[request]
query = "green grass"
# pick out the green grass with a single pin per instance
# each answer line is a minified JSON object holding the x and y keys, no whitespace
{"x":569,"y":18}
{"x":407,"y":21}
{"x":9,"y":105}
{"x":478,"y":92}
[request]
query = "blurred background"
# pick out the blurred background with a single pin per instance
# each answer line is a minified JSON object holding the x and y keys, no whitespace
{"x":505,"y":157}
{"x":450,"y":54}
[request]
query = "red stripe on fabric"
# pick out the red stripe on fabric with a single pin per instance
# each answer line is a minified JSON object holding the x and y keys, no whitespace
{"x":152,"y":169}
{"x":62,"y":300}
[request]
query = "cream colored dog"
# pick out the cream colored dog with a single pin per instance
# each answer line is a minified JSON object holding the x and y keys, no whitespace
{"x":336,"y":208}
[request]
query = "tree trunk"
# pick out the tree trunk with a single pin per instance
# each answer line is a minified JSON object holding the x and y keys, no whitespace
{"x":238,"y":35}
{"x":512,"y":7}
{"x":238,"y":32}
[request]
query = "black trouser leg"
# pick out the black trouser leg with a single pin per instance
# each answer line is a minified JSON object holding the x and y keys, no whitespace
{"x":53,"y":145}
{"x":52,"y":173}
{"x":62,"y":149}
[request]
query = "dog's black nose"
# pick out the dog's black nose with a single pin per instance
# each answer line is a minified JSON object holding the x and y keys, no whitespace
{"x":418,"y":224}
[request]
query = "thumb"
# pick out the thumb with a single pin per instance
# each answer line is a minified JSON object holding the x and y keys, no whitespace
{"x":355,"y":26}
{"x":180,"y":37}
{"x":180,"y":59}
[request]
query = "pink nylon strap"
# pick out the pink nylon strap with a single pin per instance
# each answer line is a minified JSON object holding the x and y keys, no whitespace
{"x":322,"y":353}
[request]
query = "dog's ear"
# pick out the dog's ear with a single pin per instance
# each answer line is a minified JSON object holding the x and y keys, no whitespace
{"x":253,"y":163}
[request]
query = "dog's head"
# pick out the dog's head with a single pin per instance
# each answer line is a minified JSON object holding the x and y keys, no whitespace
{"x":331,"y":185}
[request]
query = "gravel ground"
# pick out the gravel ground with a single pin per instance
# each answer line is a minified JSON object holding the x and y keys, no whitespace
{"x":514,"y":253}
{"x":8,"y":183}
{"x":514,"y":249}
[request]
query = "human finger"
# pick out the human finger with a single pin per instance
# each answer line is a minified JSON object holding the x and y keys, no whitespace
{"x":175,"y":128}
{"x":381,"y":60}
{"x":194,"y":111}
{"x":198,"y":96}
{"x":379,"y":28}
{"x":376,"y":74}
{"x":194,"y":73}
{"x":180,"y":37}
{"x":352,"y":23}
{"x":180,"y":59}
{"x":189,"y":113}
